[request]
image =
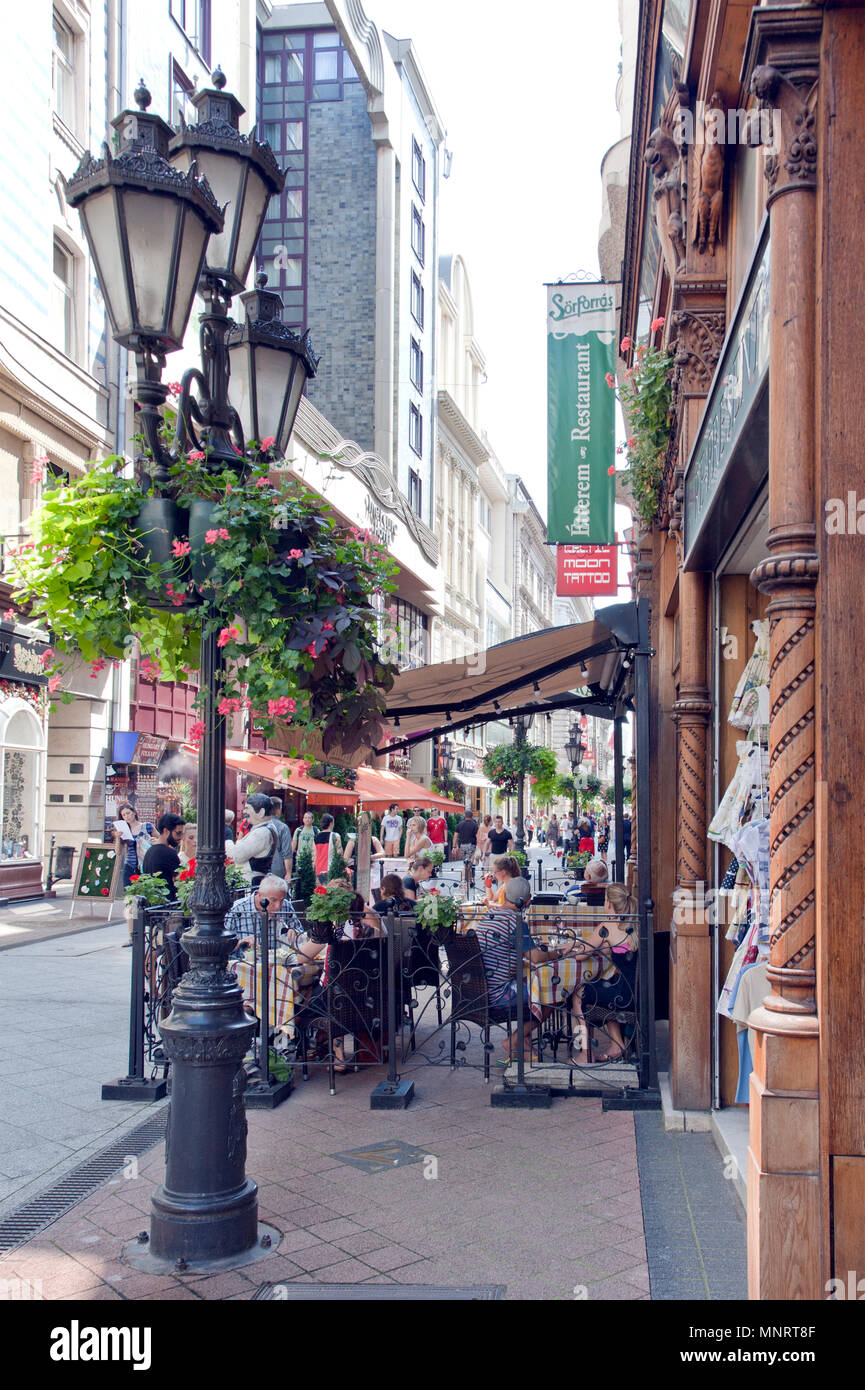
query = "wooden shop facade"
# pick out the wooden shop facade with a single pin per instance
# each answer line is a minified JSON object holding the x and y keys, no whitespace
{"x":743,"y":234}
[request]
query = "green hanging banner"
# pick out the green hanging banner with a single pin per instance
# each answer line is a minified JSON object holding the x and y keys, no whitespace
{"x":581,"y":353}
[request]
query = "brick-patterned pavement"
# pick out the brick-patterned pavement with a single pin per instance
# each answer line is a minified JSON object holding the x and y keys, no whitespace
{"x":545,"y":1203}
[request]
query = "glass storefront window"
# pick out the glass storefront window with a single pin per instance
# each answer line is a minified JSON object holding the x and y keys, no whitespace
{"x":20,"y":780}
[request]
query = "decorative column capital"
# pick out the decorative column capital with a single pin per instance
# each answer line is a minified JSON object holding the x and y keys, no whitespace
{"x":781,"y":69}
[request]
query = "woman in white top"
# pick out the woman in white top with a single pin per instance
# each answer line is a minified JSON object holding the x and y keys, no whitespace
{"x":417,"y":841}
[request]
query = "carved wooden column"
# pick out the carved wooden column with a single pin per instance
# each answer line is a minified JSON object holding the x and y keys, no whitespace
{"x":782,"y":64}
{"x":691,"y":947}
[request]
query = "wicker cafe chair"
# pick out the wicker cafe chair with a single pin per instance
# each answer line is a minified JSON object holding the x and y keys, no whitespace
{"x":470,"y":1002}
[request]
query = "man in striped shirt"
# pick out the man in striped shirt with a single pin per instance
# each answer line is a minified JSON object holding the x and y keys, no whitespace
{"x":497,"y":939}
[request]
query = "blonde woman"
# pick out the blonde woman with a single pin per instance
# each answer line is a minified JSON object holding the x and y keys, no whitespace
{"x":617,"y":937}
{"x":417,"y":841}
{"x":189,"y":843}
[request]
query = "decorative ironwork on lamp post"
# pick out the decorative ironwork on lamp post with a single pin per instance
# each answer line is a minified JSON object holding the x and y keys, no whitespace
{"x":522,"y":723}
{"x":574,"y":750}
{"x":157,"y":234}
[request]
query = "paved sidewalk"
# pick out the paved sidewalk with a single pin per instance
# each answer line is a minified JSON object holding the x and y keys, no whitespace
{"x":47,"y":919}
{"x":546,"y":1203}
{"x":64,"y":1027}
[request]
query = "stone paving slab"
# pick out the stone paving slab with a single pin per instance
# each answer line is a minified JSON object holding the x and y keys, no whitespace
{"x":501,"y":1211}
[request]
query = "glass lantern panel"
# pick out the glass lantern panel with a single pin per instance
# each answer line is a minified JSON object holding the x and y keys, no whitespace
{"x":99,"y":215}
{"x":240,"y":388}
{"x":189,"y":267}
{"x":273,"y":371}
{"x":223,"y":172}
{"x":151,"y":227}
{"x":253,"y":213}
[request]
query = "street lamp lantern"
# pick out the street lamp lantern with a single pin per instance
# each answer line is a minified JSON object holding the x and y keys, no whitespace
{"x":446,"y":755}
{"x":270,"y":366}
{"x":573,"y":748}
{"x":157,"y":234}
{"x":147,"y":225}
{"x":241,"y":171}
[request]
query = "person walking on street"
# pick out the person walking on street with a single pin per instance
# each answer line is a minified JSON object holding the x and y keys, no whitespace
{"x":437,"y":829}
{"x":391,"y":831}
{"x":304,"y":835}
{"x":281,"y":865}
{"x":465,"y":846}
{"x":162,"y":858}
{"x":553,"y":835}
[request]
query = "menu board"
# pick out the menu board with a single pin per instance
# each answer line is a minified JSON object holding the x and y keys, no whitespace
{"x":146,"y":799}
{"x":100,"y":874}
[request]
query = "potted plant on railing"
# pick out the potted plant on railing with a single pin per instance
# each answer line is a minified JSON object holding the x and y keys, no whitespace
{"x":437,"y":912}
{"x":330,"y":905}
{"x":185,"y":884}
{"x":151,"y":887}
{"x":298,"y":623}
{"x":576,"y":863}
{"x":438,"y":858}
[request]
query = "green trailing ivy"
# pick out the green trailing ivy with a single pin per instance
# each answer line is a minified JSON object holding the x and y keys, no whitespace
{"x":645,"y":397}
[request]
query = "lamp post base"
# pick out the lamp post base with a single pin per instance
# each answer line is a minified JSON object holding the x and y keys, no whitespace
{"x":391,"y":1095}
{"x":139,"y":1254}
{"x":210,"y":1229}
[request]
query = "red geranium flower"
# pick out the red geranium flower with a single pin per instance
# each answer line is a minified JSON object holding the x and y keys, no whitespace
{"x":105,"y":892}
{"x":133,"y":878}
{"x":322,"y":891}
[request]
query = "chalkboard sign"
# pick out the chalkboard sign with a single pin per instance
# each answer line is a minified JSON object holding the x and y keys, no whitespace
{"x":100,"y":874}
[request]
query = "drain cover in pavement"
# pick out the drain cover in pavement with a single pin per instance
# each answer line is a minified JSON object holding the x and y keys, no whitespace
{"x":426,"y":1293}
{"x":378,"y":1158}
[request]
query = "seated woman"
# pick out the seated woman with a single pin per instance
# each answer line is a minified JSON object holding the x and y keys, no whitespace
{"x":417,"y":841}
{"x":505,"y":868}
{"x":420,"y":871}
{"x":394,"y":897}
{"x":615,"y":940}
{"x":321,"y":936}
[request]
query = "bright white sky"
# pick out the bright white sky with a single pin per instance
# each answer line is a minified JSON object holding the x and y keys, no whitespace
{"x":527,"y":95}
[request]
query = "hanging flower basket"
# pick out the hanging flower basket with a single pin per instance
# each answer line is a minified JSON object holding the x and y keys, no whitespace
{"x":298,"y":624}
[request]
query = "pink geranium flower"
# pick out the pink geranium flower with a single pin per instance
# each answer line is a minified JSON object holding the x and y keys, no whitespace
{"x":211,"y":537}
{"x":625,"y":345}
{"x":47,"y":656}
{"x":657,"y":324}
{"x":277,"y":709}
{"x":54,"y":684}
{"x":610,"y":380}
{"x":228,"y":634}
{"x":197,"y":732}
{"x":262,"y":482}
{"x":295,"y":555}
{"x":268,"y":443}
{"x":196,"y":456}
{"x":180,"y":548}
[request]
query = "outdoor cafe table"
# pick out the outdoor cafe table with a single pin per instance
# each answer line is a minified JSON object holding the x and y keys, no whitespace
{"x":287,"y":981}
{"x":557,"y":927}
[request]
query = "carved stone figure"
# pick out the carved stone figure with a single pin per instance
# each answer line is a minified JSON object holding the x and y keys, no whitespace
{"x":663,"y":158}
{"x":710,"y":191}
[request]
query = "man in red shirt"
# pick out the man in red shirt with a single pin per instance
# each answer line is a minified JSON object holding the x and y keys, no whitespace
{"x":437,"y":829}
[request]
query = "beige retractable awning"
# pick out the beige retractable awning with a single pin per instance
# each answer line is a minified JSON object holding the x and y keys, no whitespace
{"x":525,"y":673}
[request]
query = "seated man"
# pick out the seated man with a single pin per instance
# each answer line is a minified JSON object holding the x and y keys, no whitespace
{"x":244,"y":918}
{"x":593,"y":886}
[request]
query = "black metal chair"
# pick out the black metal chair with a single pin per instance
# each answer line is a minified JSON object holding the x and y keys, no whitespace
{"x":470,"y":1001}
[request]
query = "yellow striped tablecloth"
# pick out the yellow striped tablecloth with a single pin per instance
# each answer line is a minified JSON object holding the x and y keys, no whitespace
{"x":286,"y":982}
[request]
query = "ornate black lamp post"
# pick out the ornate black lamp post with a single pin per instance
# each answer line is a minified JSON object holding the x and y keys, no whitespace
{"x":157,"y":234}
{"x":446,"y":756}
{"x":522,"y":723}
{"x":574,"y":750}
